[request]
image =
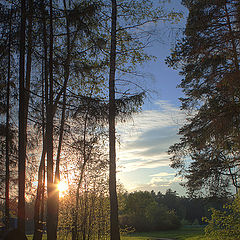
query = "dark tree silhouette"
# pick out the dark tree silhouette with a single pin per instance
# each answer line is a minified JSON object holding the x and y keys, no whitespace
{"x":51,"y":224}
{"x":22,"y":123}
{"x":208,"y":56}
{"x":114,"y":227}
{"x":7,"y":176}
{"x":15,"y":234}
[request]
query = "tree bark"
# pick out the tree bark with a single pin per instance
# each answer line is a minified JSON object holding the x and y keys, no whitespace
{"x":24,"y":89}
{"x":114,"y":226}
{"x":7,"y":176}
{"x":29,"y":57}
{"x":22,"y":128}
{"x":38,"y":228}
{"x":51,"y":233}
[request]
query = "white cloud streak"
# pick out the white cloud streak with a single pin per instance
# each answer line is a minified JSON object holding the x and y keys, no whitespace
{"x":163,"y":174}
{"x":145,"y":141}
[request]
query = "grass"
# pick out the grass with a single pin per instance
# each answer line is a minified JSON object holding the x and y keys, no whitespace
{"x":185,"y":233}
{"x":181,"y":234}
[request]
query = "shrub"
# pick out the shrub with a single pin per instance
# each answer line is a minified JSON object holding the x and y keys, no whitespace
{"x":225,"y":225}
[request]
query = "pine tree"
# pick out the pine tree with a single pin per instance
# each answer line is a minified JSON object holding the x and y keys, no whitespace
{"x":208,"y":56}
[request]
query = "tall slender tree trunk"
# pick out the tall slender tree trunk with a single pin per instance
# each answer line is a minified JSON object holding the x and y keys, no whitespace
{"x":114,"y":227}
{"x":22,"y":128}
{"x":24,"y":89}
{"x":39,"y":197}
{"x":51,"y":233}
{"x":39,"y":202}
{"x":7,"y":177}
{"x":29,"y":57}
{"x":66,"y":77}
{"x":38,"y":226}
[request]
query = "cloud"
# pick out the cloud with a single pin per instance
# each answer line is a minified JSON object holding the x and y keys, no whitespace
{"x":161,"y":184}
{"x":145,"y":141}
{"x":164,"y":115}
{"x":129,"y":166}
{"x":163,"y":174}
{"x":164,"y":179}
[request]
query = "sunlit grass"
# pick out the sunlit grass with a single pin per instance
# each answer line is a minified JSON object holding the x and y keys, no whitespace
{"x":180,"y":234}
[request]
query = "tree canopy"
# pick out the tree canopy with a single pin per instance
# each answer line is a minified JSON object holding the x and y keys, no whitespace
{"x":208,"y":56}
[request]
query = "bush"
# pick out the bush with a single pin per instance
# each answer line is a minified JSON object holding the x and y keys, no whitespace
{"x":225,"y":225}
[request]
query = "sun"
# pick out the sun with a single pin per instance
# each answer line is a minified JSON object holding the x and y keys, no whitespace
{"x":62,"y":188}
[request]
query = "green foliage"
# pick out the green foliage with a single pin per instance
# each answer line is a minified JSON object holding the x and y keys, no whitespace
{"x":142,"y":212}
{"x":93,"y":215}
{"x":225,"y":225}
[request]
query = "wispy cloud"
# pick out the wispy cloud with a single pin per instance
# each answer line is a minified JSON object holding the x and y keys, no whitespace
{"x":145,"y":141}
{"x":160,"y":161}
{"x":163,"y":174}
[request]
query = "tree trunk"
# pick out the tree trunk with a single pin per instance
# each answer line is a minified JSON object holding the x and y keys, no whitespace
{"x":51,"y":232}
{"x":66,"y":77}
{"x":7,"y":127}
{"x":22,"y":128}
{"x":24,"y":89}
{"x":38,"y":228}
{"x":39,"y":202}
{"x":29,"y":57}
{"x":114,"y":227}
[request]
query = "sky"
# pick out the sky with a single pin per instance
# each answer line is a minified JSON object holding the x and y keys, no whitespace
{"x":143,"y":161}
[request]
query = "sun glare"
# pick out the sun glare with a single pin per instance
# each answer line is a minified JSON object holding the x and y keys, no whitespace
{"x":62,"y":187}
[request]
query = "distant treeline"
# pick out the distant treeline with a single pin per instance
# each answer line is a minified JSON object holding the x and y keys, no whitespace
{"x":149,"y":211}
{"x":140,"y":211}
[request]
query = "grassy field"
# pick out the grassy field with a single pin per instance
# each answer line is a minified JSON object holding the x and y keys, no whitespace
{"x":181,"y":234}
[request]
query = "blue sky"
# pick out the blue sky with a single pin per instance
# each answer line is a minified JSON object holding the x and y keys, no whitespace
{"x":142,"y":155}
